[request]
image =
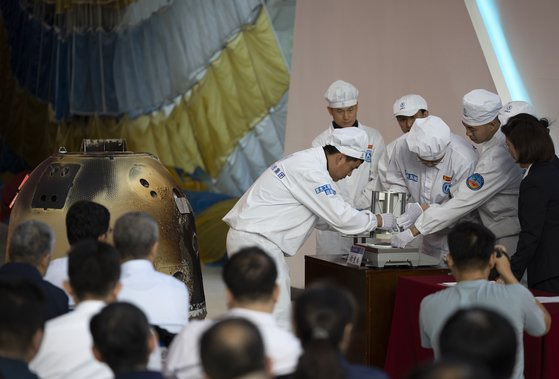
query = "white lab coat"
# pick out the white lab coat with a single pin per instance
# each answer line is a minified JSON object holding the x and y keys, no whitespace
{"x":279,"y":211}
{"x":431,"y":185}
{"x":285,"y":202}
{"x":355,"y":189}
{"x":496,"y":200}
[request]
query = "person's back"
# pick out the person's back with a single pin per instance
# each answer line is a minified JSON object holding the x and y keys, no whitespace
{"x":94,"y":271}
{"x":22,"y":318}
{"x":323,"y":319}
{"x":163,"y":298}
{"x":30,"y":249}
{"x":251,"y":290}
{"x":84,"y":220}
{"x":122,"y":338}
{"x":471,"y":257}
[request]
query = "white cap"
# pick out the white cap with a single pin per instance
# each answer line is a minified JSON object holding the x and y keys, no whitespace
{"x":350,"y":141}
{"x":480,"y":107}
{"x":341,"y":94}
{"x":428,"y":138}
{"x":409,"y":105}
{"x":512,"y":108}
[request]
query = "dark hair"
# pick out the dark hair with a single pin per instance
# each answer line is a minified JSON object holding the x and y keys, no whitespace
{"x":480,"y":336}
{"x":331,"y":150}
{"x":250,"y":275}
{"x":23,"y":311}
{"x":134,"y":235}
{"x":86,"y":220}
{"x":93,"y":268}
{"x":450,"y":368}
{"x":321,"y":314}
{"x":530,"y":137}
{"x":121,"y":334}
{"x":30,"y":242}
{"x":470,"y":245}
{"x":231,"y":348}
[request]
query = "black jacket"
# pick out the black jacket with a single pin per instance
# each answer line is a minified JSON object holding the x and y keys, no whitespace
{"x":538,"y":212}
{"x":57,"y":300}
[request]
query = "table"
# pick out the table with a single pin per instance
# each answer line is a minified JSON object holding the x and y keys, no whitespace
{"x":374,"y":290}
{"x":541,"y":354}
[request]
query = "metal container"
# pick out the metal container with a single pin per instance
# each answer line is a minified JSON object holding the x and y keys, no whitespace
{"x":387,"y":202}
{"x":122,"y":181}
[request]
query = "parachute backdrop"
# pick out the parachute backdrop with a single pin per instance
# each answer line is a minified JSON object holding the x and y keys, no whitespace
{"x":202,"y":84}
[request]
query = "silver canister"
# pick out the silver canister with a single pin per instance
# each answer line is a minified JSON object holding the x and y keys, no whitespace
{"x":387,"y":202}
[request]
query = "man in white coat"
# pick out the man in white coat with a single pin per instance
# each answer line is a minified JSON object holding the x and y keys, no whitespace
{"x":493,"y":187}
{"x":428,"y":164}
{"x":406,"y":109}
{"x":279,"y":211}
{"x":342,"y":106}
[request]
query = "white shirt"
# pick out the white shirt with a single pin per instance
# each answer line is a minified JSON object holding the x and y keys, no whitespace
{"x":163,"y":298}
{"x":492,"y":189}
{"x":66,"y":348}
{"x":352,"y":188}
{"x":57,"y":274}
{"x":285,"y":202}
{"x":282,"y":347}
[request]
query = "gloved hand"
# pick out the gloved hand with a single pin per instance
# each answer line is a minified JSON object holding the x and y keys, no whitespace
{"x":413,"y":211}
{"x":401,"y":239}
{"x":388,"y":221}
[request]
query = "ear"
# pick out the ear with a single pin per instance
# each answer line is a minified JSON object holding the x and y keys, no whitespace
{"x":449,"y":260}
{"x":103,"y":237}
{"x":493,"y":259}
{"x":346,"y":338}
{"x":97,"y":354}
{"x":229,"y":298}
{"x":152,"y":341}
{"x":44,"y":264}
{"x":275,"y":293}
{"x":153,"y":251}
{"x":35,"y":344}
{"x":116,"y":291}
{"x":68,"y":288}
{"x":330,"y":111}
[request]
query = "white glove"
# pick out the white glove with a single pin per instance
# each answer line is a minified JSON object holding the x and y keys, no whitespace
{"x":412,"y":213}
{"x":401,"y":239}
{"x":388,"y":221}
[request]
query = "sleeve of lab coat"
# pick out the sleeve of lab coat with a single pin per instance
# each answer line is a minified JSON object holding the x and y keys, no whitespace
{"x":497,"y":171}
{"x":316,"y":191}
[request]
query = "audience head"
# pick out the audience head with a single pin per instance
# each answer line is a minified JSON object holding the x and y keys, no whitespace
{"x":450,"y":369}
{"x":470,"y":247}
{"x":86,"y":220}
{"x":32,"y":242}
{"x":135,"y":235}
{"x":408,"y":108}
{"x":93,"y":270}
{"x":250,"y":276}
{"x":480,"y":336}
{"x":22,"y":318}
{"x":323,"y":318}
{"x":528,"y":139}
{"x":122,"y":337}
{"x":233,"y":348}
